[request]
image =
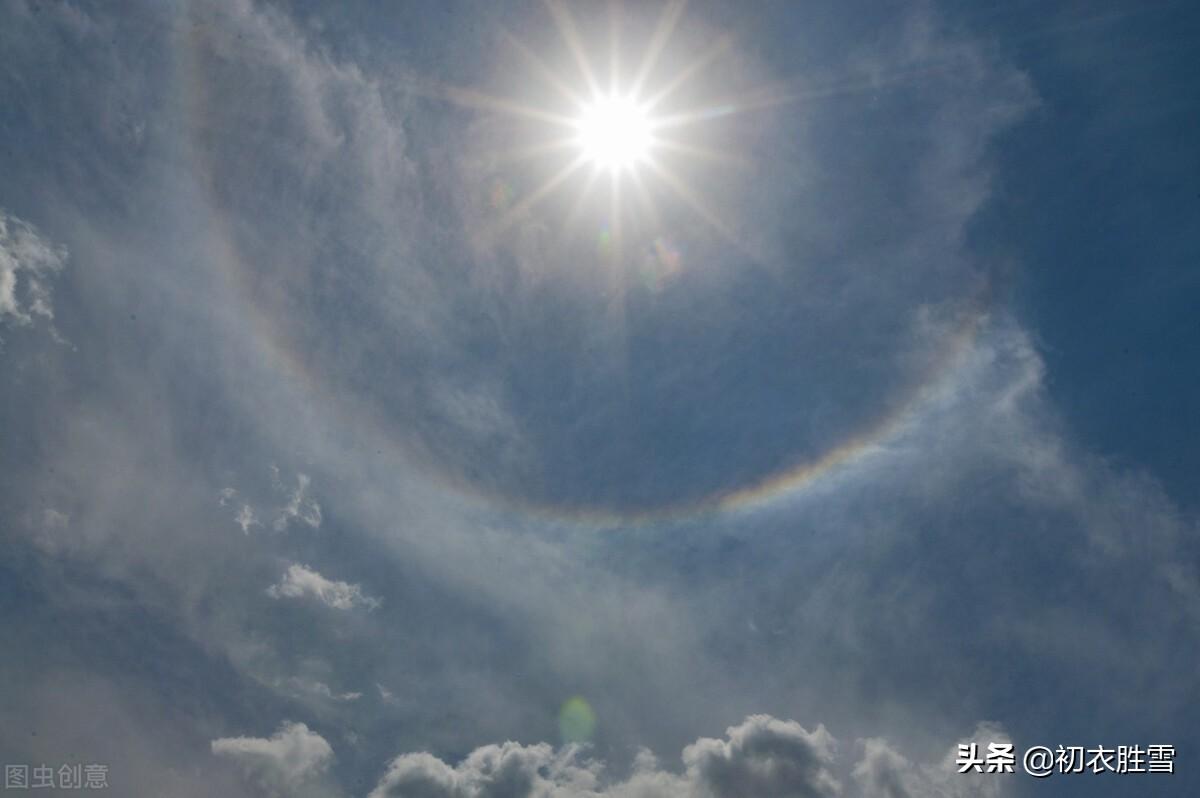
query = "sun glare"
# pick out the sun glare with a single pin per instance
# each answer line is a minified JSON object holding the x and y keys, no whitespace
{"x":614,"y":133}
{"x":626,"y":126}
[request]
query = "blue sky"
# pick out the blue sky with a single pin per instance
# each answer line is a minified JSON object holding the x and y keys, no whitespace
{"x":353,"y":447}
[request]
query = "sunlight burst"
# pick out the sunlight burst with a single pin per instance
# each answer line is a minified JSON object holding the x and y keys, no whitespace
{"x":615,"y":133}
{"x":623,"y":128}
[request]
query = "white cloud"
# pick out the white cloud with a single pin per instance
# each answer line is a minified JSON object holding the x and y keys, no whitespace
{"x":27,"y":262}
{"x":291,"y":758}
{"x":884,"y":773}
{"x":300,"y":581}
{"x":509,"y":769}
{"x":762,"y":756}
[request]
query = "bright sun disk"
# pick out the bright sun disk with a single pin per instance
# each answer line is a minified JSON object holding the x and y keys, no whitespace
{"x":614,"y":133}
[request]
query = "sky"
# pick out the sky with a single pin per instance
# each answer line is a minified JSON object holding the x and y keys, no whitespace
{"x":363,"y":433}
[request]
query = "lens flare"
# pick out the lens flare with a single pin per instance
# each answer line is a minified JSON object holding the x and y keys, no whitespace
{"x":576,"y":720}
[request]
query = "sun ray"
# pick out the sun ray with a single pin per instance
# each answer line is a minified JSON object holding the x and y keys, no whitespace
{"x":568,"y":228}
{"x":662,"y":34}
{"x":702,"y":153}
{"x":480,"y":101}
{"x":537,"y":195}
{"x":619,"y":289}
{"x":471,"y":98}
{"x":645,"y":200}
{"x":542,"y":69}
{"x":685,"y":74}
{"x":614,"y":49}
{"x":784,"y":94}
{"x":614,"y":221}
{"x":761,"y":100}
{"x":685,"y":193}
{"x":566,"y":28}
{"x":532,"y":151}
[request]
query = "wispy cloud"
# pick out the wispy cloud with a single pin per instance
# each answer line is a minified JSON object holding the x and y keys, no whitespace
{"x":300,"y":505}
{"x":320,"y":689}
{"x":28,"y":263}
{"x":246,"y":518}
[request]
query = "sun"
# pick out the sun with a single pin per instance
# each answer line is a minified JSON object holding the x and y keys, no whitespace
{"x":614,"y":133}
{"x":629,"y":129}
